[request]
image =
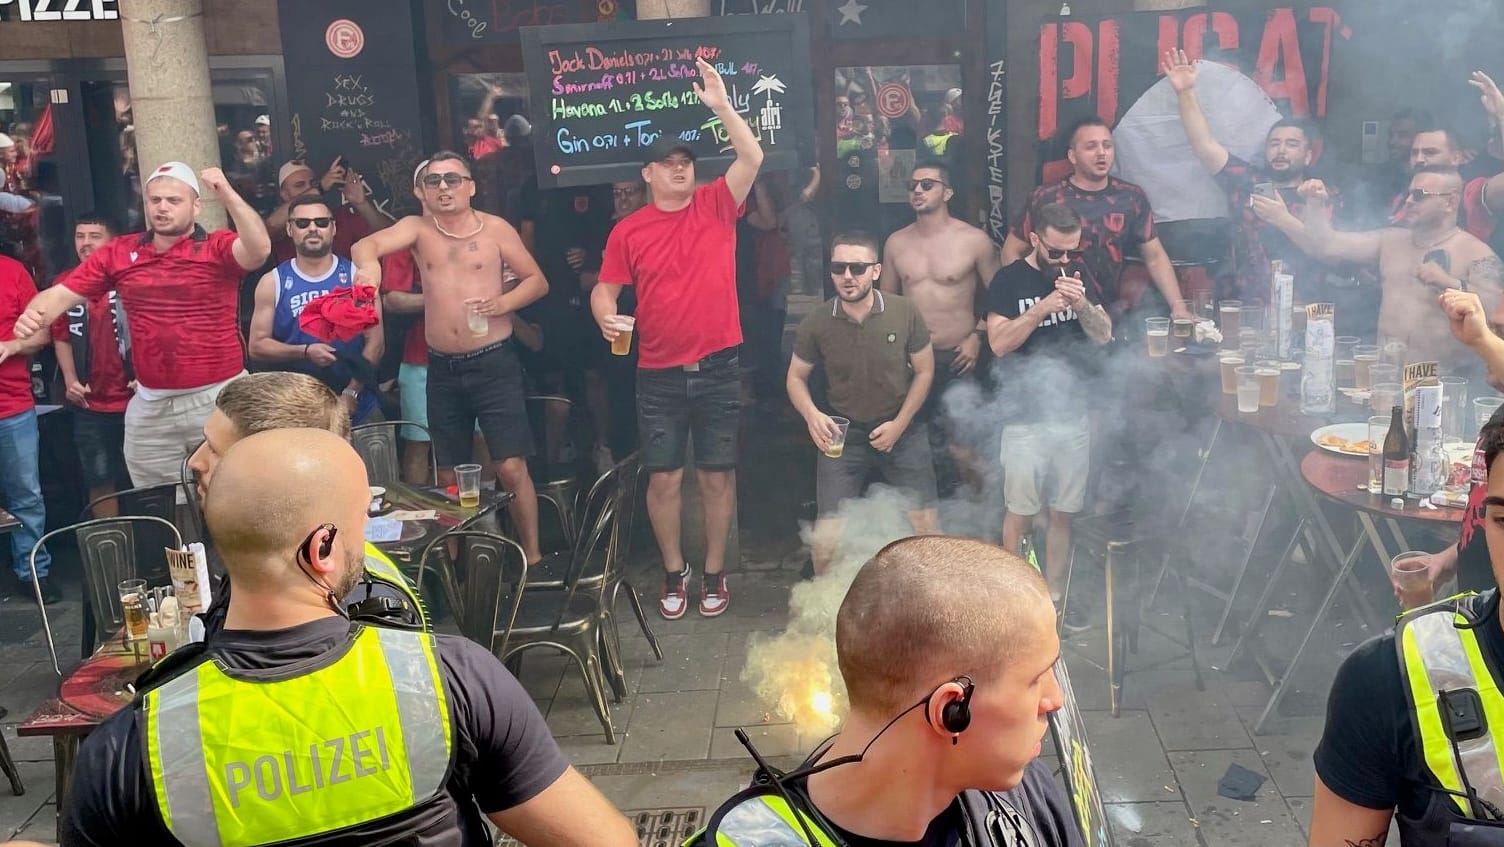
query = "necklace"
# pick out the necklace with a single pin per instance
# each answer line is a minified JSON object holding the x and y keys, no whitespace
{"x":1438,"y":242}
{"x":480,"y":225}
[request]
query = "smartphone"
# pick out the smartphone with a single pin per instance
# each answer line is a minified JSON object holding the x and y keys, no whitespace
{"x":1266,"y":189}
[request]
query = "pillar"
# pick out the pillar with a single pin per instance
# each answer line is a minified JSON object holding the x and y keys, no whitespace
{"x":172,"y":105}
{"x":693,"y":522}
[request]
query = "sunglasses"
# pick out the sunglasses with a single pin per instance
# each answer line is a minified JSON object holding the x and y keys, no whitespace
{"x":925,"y":184}
{"x":1061,"y":255}
{"x":304,"y":223}
{"x":854,"y":268}
{"x":1417,"y":195}
{"x":447,"y":180}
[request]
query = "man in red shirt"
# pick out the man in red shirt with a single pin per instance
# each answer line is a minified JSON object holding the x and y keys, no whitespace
{"x":20,"y":476}
{"x":180,"y":286}
{"x":354,"y":219}
{"x":679,"y":254}
{"x":96,"y":375}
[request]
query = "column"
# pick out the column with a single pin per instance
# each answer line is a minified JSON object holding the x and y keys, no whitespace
{"x":693,"y":522}
{"x":172,"y":105}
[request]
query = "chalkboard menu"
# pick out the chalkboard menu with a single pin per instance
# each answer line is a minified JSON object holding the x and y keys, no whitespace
{"x":601,"y":93}
{"x":352,"y":83}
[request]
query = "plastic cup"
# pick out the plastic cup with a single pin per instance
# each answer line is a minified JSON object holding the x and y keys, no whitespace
{"x":1230,"y":313}
{"x":1384,"y":397}
{"x":1182,"y":328}
{"x":480,"y":325}
{"x":467,"y":478}
{"x":1408,"y":573}
{"x":1268,"y":373}
{"x":1382,"y":372}
{"x":1230,"y":363}
{"x":1395,"y":353}
{"x":1248,"y":389}
{"x":1158,"y":330}
{"x":838,"y":443}
{"x":624,"y":325}
{"x":1345,"y":346}
{"x":1378,"y":430}
{"x":1364,"y":358}
{"x":1453,"y":408}
{"x":1483,"y":409}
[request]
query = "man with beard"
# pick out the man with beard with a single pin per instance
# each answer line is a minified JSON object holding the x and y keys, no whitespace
{"x":1115,"y":218}
{"x":473,"y":368}
{"x":354,"y":218}
{"x":277,"y":342}
{"x":875,"y":353}
{"x":1042,"y":327}
{"x":399,"y":738}
{"x":179,"y":285}
{"x":1427,"y":253}
{"x":1289,"y":148}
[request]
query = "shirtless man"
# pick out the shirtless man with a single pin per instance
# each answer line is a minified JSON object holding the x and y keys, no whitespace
{"x":941,"y":264}
{"x":1426,"y":254}
{"x":462,"y":253}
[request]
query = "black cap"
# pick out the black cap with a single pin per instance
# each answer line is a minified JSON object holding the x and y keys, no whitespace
{"x":664,"y":147}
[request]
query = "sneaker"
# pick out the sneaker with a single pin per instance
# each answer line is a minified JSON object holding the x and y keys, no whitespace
{"x":714,"y":598}
{"x":674,"y":599}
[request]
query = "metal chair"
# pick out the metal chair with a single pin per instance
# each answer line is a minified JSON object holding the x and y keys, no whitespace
{"x":497,"y":617}
{"x":378,"y":448}
{"x":555,"y":482}
{"x":107,"y":549}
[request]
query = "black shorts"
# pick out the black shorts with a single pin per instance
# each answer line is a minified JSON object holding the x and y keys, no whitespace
{"x":703,"y":400}
{"x":485,"y":386}
{"x":100,"y":438}
{"x":909,"y":467}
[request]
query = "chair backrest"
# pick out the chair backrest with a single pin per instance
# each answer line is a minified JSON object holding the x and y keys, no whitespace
{"x":496,"y":576}
{"x":107,"y":550}
{"x":174,"y":502}
{"x":378,"y":447}
{"x":618,"y":551}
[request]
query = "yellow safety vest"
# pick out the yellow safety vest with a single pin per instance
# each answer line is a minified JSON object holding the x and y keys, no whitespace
{"x":1440,"y":658}
{"x":753,"y":817}
{"x":382,"y":569}
{"x":237,"y":761}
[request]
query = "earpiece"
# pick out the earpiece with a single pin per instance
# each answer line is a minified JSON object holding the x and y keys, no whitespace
{"x":327,"y":545}
{"x":955,"y":716}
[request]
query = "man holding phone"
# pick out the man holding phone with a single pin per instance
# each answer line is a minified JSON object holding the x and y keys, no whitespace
{"x":354,"y":218}
{"x":1289,"y":149}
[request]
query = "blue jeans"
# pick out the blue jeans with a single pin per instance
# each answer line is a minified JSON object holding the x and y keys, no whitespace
{"x":22,"y":483}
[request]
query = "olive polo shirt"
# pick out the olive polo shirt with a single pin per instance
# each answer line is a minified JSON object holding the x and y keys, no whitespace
{"x":866,"y":364}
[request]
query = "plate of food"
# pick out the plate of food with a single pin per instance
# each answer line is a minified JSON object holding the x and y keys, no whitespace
{"x":1344,"y":439}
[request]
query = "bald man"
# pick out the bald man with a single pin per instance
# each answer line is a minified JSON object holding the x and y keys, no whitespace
{"x":1424,"y":254}
{"x":934,"y":628}
{"x":401,"y":738}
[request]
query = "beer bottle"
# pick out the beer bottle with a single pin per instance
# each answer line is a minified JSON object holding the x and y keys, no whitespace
{"x":1396,"y":456}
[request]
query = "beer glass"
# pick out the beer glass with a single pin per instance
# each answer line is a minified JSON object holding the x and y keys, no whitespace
{"x":1411,"y":579}
{"x":838,"y":441}
{"x":1248,"y":389}
{"x":1159,"y":336}
{"x":1268,"y":373}
{"x":1364,"y":357}
{"x":1342,"y":359}
{"x":1453,"y":408}
{"x":1378,"y":430}
{"x":624,"y":325}
{"x":1230,"y":312}
{"x":1230,"y":362}
{"x":1483,"y":409}
{"x":467,"y":478}
{"x":133,"y":605}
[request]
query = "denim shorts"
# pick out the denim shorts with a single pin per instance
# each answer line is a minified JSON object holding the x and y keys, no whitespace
{"x":100,"y":439}
{"x":675,"y":404}
{"x":909,"y":467}
{"x":483,"y":386}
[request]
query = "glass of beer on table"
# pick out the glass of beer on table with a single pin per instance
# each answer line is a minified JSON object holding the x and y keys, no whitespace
{"x":1248,"y":389}
{"x":1378,"y":430}
{"x":1159,"y":336}
{"x":623,"y":324}
{"x":133,"y":605}
{"x":1364,"y":357}
{"x":1342,"y":358}
{"x":1231,"y":314}
{"x":467,"y":479}
{"x":1230,"y":361}
{"x":1268,"y":373}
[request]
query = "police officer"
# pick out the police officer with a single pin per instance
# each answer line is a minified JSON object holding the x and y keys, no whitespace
{"x":280,"y":400}
{"x":302,"y":727}
{"x":1411,"y":715}
{"x":947,"y":647}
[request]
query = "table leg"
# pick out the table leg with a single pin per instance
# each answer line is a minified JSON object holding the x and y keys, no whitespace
{"x":1343,"y":572}
{"x":1376,"y":538}
{"x":1255,"y":620}
{"x":1237,"y":584}
{"x":1114,"y":661}
{"x":64,"y":753}
{"x":1399,"y":537}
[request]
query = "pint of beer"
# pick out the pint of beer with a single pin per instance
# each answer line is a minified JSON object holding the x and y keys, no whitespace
{"x":623,"y":324}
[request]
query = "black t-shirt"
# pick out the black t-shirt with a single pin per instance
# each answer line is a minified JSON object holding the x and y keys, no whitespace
{"x":1115,"y":221}
{"x":943,"y":831}
{"x":503,"y":753}
{"x":1045,"y":378}
{"x":1369,"y":755}
{"x":563,"y":219}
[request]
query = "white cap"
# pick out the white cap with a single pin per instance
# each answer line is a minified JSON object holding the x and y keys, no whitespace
{"x":289,"y":169}
{"x":418,"y":171}
{"x":179,"y":172}
{"x":263,"y":120}
{"x":5,"y":141}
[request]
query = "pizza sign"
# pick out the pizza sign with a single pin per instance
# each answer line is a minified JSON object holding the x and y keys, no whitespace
{"x":59,"y":10}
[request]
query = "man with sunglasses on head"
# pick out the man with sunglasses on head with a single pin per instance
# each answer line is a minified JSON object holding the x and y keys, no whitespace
{"x":278,"y":343}
{"x":474,"y":373}
{"x":1043,"y":328}
{"x":297,"y":726}
{"x":947,"y":649}
{"x":875,"y":353}
{"x":1424,"y":254}
{"x":678,"y":253}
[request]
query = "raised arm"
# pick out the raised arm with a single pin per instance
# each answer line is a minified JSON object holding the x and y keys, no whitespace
{"x":743,"y":171}
{"x":1493,"y":104}
{"x":43,"y":309}
{"x":1314,"y":235}
{"x":366,"y":253}
{"x":1182,"y":76}
{"x":252,"y":244}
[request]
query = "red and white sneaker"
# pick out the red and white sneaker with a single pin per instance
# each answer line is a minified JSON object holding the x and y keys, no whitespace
{"x":714,"y":598}
{"x":673,"y":601}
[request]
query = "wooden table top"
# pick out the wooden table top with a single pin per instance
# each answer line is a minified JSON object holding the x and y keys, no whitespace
{"x":1338,"y":479}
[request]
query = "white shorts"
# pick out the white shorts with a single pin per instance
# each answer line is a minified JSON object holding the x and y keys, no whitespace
{"x":161,"y":432}
{"x":1042,"y":457}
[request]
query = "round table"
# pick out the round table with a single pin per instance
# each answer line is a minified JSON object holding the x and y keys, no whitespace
{"x":1338,"y":478}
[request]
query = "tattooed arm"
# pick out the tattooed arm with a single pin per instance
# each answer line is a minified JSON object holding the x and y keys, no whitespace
{"x":1485,"y":276}
{"x":1337,"y":823}
{"x":1097,"y":323}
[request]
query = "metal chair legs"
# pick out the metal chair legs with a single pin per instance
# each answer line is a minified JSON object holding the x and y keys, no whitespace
{"x":12,"y":773}
{"x":585,"y":649}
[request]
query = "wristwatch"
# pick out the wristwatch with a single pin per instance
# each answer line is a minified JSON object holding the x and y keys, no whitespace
{"x":351,"y":393}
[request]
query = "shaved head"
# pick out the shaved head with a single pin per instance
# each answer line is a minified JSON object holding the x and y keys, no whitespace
{"x":271,"y":490}
{"x":928,"y":608}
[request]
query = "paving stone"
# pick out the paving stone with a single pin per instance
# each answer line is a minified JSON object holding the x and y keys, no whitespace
{"x":591,"y":749}
{"x":1130,"y":764}
{"x":690,"y":663}
{"x":706,"y":788}
{"x":1166,"y":824}
{"x":572,"y":714}
{"x":670,"y":726}
{"x":1188,"y":719}
{"x":32,"y":748}
{"x":1286,"y":749}
{"x":771,"y":740}
{"x":18,"y":813}
{"x":1265,"y":821}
